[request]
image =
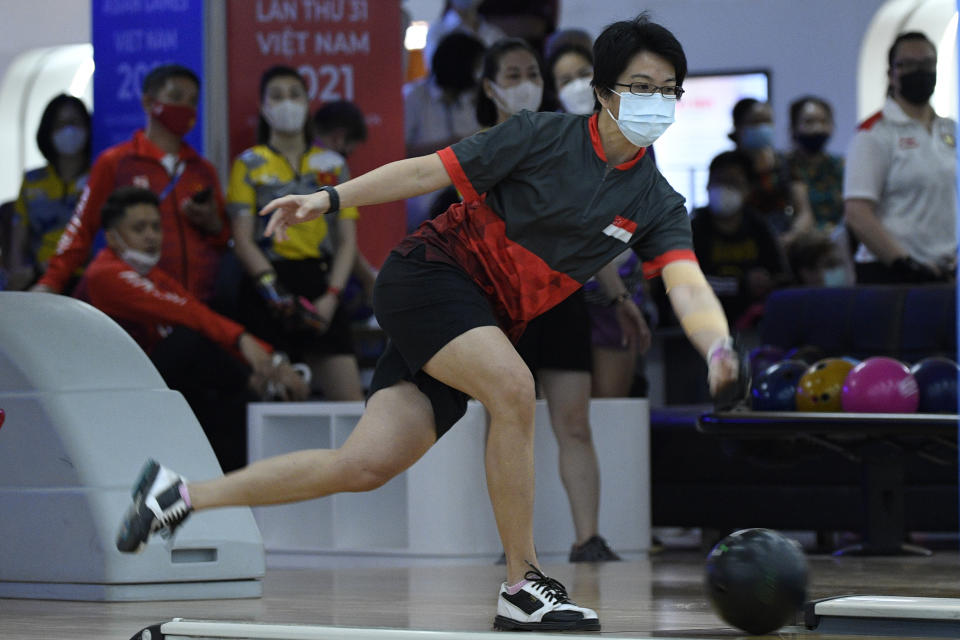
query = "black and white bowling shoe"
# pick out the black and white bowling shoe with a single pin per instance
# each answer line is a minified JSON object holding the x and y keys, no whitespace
{"x":158,"y":507}
{"x":542,"y":604}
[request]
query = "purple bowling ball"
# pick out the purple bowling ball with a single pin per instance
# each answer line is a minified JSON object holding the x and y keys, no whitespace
{"x":880,"y":385}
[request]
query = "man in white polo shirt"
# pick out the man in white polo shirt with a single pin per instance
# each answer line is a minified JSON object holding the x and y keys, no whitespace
{"x":900,"y":187}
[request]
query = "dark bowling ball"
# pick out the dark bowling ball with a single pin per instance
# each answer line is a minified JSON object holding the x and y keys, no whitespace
{"x":775,"y":389}
{"x":762,"y":357}
{"x":937,"y":382}
{"x":756,"y":580}
{"x":809,"y":353}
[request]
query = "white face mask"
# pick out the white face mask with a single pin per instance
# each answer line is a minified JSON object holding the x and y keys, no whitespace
{"x":287,"y":116}
{"x":141,"y":261}
{"x":643,"y":119}
{"x":69,"y":140}
{"x":577,"y":97}
{"x":724,"y":201}
{"x":515,"y":99}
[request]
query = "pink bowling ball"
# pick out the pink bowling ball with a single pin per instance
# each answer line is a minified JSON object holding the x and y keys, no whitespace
{"x":880,"y":385}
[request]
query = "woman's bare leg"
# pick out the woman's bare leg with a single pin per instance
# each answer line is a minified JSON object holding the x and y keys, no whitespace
{"x":483,"y":364}
{"x":568,"y":400}
{"x":396,"y":429}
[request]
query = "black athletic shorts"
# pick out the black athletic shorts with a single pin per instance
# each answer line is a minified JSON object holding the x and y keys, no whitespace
{"x":559,"y":338}
{"x":422,"y":305}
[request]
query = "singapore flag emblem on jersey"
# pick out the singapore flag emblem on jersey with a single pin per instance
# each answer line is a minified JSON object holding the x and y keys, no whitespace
{"x":621,"y":229}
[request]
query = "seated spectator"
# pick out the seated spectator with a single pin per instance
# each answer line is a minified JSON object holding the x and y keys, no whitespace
{"x":460,"y":16}
{"x":49,"y":194}
{"x":737,"y":250}
{"x":811,"y":125}
{"x":775,"y":194}
{"x":211,"y":360}
{"x":191,"y":202}
{"x":815,"y":261}
{"x":291,"y":295}
{"x":900,"y":185}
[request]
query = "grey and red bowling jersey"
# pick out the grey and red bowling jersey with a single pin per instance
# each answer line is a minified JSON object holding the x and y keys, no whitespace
{"x":542,"y":213}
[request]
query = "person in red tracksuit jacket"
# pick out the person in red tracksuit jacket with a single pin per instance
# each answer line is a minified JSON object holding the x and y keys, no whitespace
{"x":156,"y":158}
{"x":209,"y":358}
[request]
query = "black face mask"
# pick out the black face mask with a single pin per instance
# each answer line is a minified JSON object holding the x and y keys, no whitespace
{"x":916,"y":87}
{"x":812,"y":142}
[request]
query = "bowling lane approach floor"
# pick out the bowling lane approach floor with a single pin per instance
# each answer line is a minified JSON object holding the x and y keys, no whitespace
{"x":655,"y":596}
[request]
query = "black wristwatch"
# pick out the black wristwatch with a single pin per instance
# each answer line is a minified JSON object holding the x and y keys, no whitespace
{"x":334,"y":198}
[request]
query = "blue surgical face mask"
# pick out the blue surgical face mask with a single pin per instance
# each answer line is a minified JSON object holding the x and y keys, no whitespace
{"x":643,"y":119}
{"x":758,"y":136}
{"x":69,"y":140}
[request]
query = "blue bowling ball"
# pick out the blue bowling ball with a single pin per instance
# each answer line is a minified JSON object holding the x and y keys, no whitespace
{"x":937,"y":382}
{"x":775,"y":389}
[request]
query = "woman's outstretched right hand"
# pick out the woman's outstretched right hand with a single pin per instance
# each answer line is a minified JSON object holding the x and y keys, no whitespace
{"x":291,"y":210}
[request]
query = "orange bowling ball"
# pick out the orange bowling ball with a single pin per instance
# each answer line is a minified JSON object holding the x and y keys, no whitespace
{"x":821,"y":387}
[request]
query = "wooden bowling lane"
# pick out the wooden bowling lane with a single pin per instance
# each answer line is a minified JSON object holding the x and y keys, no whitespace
{"x":656,"y":597}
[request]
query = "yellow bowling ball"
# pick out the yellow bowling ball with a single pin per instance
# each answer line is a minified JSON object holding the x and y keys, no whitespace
{"x":821,"y":387}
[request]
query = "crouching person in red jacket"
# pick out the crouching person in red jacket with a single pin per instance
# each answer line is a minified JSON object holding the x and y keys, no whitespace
{"x":207,"y":357}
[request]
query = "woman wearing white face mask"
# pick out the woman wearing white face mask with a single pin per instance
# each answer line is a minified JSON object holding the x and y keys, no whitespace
{"x":570,"y":69}
{"x":291,"y":294}
{"x":549,"y":199}
{"x":511,"y":81}
{"x":49,"y":194}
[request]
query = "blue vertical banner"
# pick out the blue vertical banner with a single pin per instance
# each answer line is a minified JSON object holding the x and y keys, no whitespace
{"x":131,"y":37}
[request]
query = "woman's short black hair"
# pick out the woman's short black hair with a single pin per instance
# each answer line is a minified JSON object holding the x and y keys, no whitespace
{"x":279,"y":71}
{"x":621,"y":41}
{"x":455,"y":61}
{"x":486,"y":109}
{"x":797,"y":106}
{"x":45,"y":130}
{"x":120,"y":200}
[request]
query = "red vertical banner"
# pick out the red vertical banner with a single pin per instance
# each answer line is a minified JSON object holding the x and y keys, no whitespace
{"x":345,"y":50}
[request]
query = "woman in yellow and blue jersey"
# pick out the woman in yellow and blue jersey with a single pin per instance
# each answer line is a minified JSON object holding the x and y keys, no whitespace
{"x":292,"y":293}
{"x":49,"y":194}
